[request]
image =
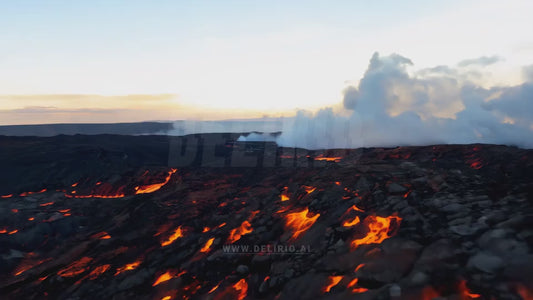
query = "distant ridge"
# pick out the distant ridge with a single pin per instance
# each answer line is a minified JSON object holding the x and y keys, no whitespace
{"x":47,"y":130}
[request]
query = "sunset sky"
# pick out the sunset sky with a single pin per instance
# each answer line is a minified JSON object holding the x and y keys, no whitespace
{"x":118,"y":61}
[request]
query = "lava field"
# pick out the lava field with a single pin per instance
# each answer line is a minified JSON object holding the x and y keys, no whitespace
{"x":118,"y":217}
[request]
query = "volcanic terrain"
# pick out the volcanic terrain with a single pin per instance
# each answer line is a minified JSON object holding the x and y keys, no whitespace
{"x":206,"y":217}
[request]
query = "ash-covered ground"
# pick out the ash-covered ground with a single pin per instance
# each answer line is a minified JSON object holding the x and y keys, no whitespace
{"x":205,"y":217}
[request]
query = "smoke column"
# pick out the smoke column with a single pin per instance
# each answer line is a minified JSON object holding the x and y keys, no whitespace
{"x":441,"y":105}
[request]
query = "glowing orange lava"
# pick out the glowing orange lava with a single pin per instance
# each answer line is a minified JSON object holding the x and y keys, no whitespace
{"x":321,"y":157}
{"x":101,"y":236}
{"x":299,"y":223}
{"x":47,"y":204}
{"x":242,"y":288}
{"x":206,"y":229}
{"x":351,"y":223}
{"x":98,"y":271}
{"x":378,"y":230}
{"x":207,"y":245}
{"x":356,"y":290}
{"x":309,"y":189}
{"x":32,"y":193}
{"x":76,"y":268}
{"x":178,"y":233}
{"x":128,"y":267}
{"x":332,"y":281}
{"x":150,"y":188}
{"x":13,"y":231}
{"x":236,"y":233}
{"x":285,"y":194}
{"x":465,"y":292}
{"x":31,"y":219}
{"x":164,"y":277}
{"x":357,"y":208}
{"x":6,"y":196}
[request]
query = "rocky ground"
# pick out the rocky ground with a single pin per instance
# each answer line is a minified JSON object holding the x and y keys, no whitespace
{"x":107,"y":217}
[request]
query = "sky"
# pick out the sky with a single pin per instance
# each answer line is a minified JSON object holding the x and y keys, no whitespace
{"x":120,"y":61}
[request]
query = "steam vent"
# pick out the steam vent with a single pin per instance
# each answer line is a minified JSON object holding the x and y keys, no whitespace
{"x":137,"y":217}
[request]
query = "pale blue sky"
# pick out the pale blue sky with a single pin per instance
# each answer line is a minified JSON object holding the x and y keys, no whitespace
{"x":259,"y":55}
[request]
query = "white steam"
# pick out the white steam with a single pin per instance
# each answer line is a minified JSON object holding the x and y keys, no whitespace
{"x":392,"y":107}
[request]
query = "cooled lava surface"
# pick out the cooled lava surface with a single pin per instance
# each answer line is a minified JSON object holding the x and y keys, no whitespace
{"x":85,"y":217}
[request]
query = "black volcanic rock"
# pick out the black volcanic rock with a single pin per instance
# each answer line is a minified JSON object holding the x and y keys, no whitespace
{"x":84,"y":217}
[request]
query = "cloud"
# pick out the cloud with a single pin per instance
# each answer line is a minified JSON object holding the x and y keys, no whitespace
{"x":391,"y":106}
{"x":480,"y":61}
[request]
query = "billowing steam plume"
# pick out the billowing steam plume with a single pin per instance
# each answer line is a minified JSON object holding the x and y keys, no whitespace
{"x":441,"y":105}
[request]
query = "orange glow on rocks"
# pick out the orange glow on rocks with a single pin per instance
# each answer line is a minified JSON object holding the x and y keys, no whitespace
{"x":332,"y":281}
{"x":285,"y":194}
{"x":309,"y":189}
{"x":379,"y":229}
{"x":237,"y":233}
{"x":350,"y":223}
{"x":178,"y":233}
{"x":321,"y":157}
{"x":524,"y":292}
{"x":299,"y":222}
{"x":98,"y":271}
{"x":6,"y":196}
{"x":465,"y":292}
{"x":13,"y":231}
{"x":357,"y":208}
{"x":47,"y":204}
{"x":429,"y":293}
{"x":76,"y":268}
{"x":101,"y":236}
{"x":242,"y":288}
{"x":356,"y":290}
{"x":164,"y":277}
{"x":32,"y":193}
{"x":128,"y":267}
{"x":150,"y":188}
{"x":207,"y":245}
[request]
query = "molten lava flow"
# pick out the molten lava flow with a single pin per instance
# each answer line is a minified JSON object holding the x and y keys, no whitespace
{"x":6,"y":196}
{"x":14,"y":210}
{"x":378,"y":230}
{"x":32,"y":193}
{"x":178,"y":233}
{"x":150,"y":188}
{"x":3,"y":230}
{"x":351,"y":223}
{"x":359,"y":267}
{"x":237,"y":233}
{"x":206,"y":229}
{"x":76,"y":268}
{"x":13,"y":231}
{"x":207,"y":245}
{"x":128,"y":267}
{"x":332,"y":281}
{"x":285,"y":194}
{"x":337,"y":182}
{"x":242,"y":288}
{"x":166,"y":277}
{"x":465,"y":292}
{"x":30,"y":261}
{"x":31,"y":219}
{"x":101,"y":236}
{"x":214,"y":288}
{"x":356,"y":208}
{"x":299,"y":223}
{"x":74,"y":184}
{"x":356,"y":290}
{"x":98,"y":271}
{"x":321,"y":157}
{"x":47,"y":204}
{"x":309,"y":189}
